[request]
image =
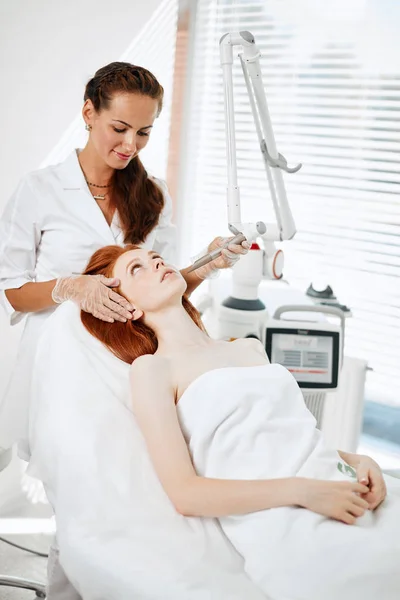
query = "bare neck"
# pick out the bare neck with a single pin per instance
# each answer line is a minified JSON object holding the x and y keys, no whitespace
{"x":93,"y":167}
{"x":176,"y":331}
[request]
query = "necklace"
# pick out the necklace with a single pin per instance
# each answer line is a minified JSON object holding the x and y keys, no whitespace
{"x":99,"y":186}
{"x":98,"y":196}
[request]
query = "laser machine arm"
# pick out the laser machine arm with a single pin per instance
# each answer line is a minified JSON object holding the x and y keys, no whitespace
{"x":311,"y":348}
{"x":274,"y":162}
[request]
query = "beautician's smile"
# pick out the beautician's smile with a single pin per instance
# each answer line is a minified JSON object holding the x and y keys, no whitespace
{"x":123,"y":156}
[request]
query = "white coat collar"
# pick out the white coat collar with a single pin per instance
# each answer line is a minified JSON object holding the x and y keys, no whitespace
{"x":71,"y":174}
{"x":79,"y":197}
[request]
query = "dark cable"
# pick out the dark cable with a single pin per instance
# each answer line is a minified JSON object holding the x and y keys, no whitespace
{"x":41,"y":554}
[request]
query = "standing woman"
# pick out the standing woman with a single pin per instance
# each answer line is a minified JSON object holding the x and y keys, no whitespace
{"x":61,"y":214}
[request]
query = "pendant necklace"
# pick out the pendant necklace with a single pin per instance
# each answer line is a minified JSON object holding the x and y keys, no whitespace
{"x":98,"y":196}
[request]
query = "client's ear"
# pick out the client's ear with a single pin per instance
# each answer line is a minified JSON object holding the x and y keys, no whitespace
{"x":137,"y":313}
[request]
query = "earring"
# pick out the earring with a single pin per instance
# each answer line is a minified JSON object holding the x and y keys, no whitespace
{"x":88,"y":127}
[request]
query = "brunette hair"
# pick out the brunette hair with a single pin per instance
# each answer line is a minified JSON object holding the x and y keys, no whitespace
{"x":137,"y":198}
{"x":127,"y":341}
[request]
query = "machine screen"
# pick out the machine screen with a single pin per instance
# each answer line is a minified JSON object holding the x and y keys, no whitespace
{"x":311,"y":356}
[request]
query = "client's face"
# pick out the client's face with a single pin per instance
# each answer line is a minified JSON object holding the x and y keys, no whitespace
{"x":147,"y":281}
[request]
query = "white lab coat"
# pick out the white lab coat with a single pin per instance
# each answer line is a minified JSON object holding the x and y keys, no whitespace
{"x":50,"y":228}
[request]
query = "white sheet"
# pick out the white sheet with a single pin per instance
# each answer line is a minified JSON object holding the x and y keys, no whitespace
{"x":252,"y":423}
{"x":118,"y":534}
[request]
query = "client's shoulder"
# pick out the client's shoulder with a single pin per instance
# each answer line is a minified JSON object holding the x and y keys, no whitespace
{"x":147,"y":363}
{"x":151,"y":371}
{"x":251,"y":344}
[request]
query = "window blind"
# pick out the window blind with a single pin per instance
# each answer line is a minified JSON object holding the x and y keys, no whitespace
{"x":334,"y":107}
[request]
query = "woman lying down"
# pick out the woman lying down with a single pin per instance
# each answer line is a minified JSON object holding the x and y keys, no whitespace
{"x":230,"y":437}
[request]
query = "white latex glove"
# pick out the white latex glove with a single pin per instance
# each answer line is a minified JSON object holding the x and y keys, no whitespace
{"x":92,"y":293}
{"x":230,"y":255}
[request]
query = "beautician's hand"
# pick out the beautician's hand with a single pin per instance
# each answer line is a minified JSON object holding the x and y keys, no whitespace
{"x":228,"y":258}
{"x":94,"y":295}
{"x":340,"y":500}
{"x":370,"y":474}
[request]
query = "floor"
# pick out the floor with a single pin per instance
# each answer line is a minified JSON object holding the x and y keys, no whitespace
{"x":35,"y":525}
{"x":16,"y":563}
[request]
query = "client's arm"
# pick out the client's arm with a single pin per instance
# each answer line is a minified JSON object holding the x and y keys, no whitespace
{"x":193,"y":495}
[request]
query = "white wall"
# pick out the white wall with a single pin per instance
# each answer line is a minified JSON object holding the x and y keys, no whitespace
{"x":48,"y":50}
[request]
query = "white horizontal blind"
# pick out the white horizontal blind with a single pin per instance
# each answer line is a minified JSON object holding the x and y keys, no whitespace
{"x":154,"y":49}
{"x":336,"y":108}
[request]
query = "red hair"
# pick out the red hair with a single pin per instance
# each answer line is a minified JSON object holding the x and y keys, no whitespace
{"x":127,"y":341}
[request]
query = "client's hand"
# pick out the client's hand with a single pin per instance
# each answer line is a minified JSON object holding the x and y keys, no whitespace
{"x":340,"y":500}
{"x":370,"y":474}
{"x":93,"y":294}
{"x":230,"y":255}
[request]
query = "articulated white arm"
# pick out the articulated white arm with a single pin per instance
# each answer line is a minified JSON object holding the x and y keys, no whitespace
{"x":284,"y":228}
